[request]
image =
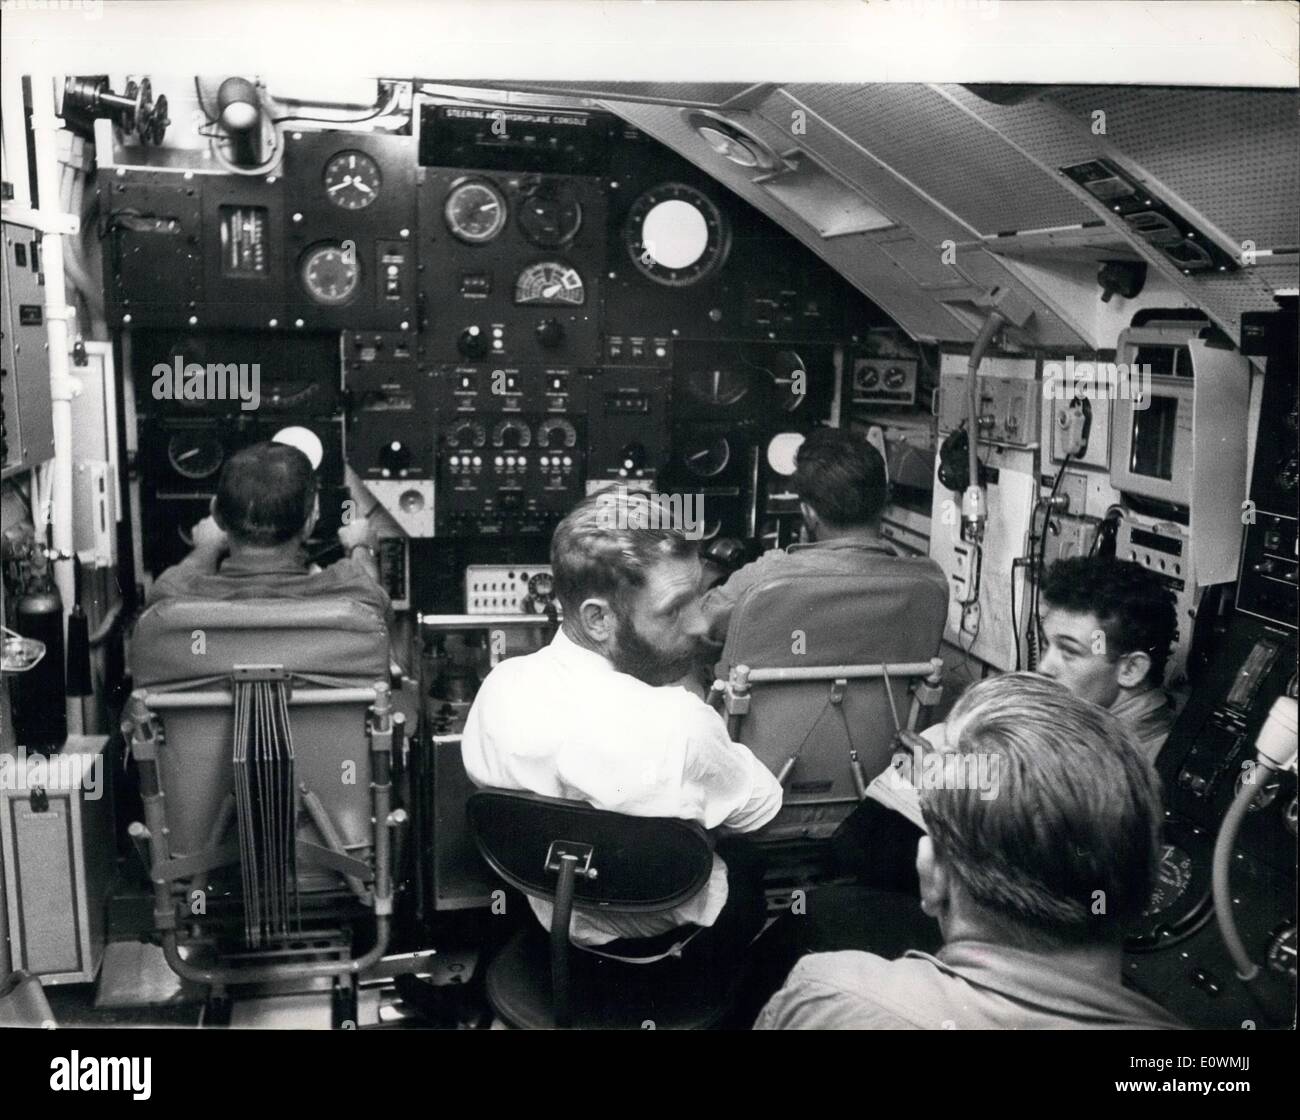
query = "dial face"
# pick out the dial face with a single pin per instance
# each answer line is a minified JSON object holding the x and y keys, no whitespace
{"x":542,"y":585}
{"x":550,"y":284}
{"x":895,"y":378}
{"x":549,"y":218}
{"x":330,"y":274}
{"x":675,"y":235}
{"x":790,"y":379}
{"x":511,"y":434}
{"x":195,"y":455}
{"x":707,"y":457}
{"x":718,"y":386}
{"x":1282,"y":950}
{"x":556,"y":433}
{"x":475,"y":211}
{"x":352,"y":180}
{"x":1288,"y":474}
{"x":468,"y":433}
{"x":1173,"y":875}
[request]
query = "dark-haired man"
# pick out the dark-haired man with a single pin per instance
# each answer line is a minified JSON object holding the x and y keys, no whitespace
{"x":841,"y":482}
{"x":251,"y":544}
{"x":595,"y":716}
{"x":1108,"y":626}
{"x":1033,"y":886}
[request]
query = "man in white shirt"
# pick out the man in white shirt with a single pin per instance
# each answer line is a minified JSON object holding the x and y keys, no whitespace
{"x":596,"y":715}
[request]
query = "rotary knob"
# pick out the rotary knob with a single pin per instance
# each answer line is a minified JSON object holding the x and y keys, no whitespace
{"x":472,"y":343}
{"x":550,"y":333}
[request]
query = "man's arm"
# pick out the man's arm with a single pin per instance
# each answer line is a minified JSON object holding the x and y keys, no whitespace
{"x":210,"y":545}
{"x":718,"y":602}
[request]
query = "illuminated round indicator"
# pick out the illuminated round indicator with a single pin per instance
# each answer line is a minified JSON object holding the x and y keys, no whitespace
{"x":708,"y":457}
{"x":305,"y":440}
{"x":195,"y":455}
{"x":782,"y":451}
{"x":330,"y":274}
{"x":1173,"y":876}
{"x":550,"y":284}
{"x":549,"y":218}
{"x":352,"y":180}
{"x":511,"y":434}
{"x":719,"y":386}
{"x":555,"y":433}
{"x":475,"y":211}
{"x":675,"y":235}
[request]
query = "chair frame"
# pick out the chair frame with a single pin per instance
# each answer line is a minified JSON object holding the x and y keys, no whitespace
{"x":144,"y":727}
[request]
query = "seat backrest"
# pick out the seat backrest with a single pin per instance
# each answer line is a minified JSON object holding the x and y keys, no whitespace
{"x":181,"y":644}
{"x":893,"y":614}
{"x":642,"y":864}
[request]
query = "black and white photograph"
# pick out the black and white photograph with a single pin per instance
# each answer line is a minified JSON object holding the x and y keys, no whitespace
{"x":603,"y":515}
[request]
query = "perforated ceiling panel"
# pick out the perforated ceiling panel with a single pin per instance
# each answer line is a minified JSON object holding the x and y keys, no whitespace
{"x":933,"y":144}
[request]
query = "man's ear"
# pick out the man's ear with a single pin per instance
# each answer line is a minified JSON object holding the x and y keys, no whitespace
{"x":597,"y":619}
{"x":1133,"y":669}
{"x":810,"y":517}
{"x":936,"y":883}
{"x":212,"y":509}
{"x":309,"y":526}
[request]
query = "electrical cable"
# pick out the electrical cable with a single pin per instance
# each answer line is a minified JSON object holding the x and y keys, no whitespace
{"x":1040,"y":568}
{"x":394,"y":93}
{"x":1015,"y":626}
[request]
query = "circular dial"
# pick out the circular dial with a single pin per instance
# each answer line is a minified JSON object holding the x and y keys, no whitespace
{"x":1288,"y":474}
{"x":330,"y":274}
{"x":675,"y":235}
{"x":352,"y":180}
{"x":195,"y":455}
{"x":468,"y":433}
{"x":475,"y":211}
{"x":511,"y":434}
{"x":1173,"y":875}
{"x":556,"y":433}
{"x":790,"y":379}
{"x":1281,"y":951}
{"x":550,"y":284}
{"x":542,"y":585}
{"x":718,"y":386}
{"x":707,"y":457}
{"x":895,"y":378}
{"x":550,"y":218}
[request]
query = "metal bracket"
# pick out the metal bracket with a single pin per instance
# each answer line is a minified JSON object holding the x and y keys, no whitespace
{"x":838,"y":687}
{"x":583,"y":853}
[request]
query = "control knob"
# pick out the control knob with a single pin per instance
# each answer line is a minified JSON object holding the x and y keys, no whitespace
{"x":472,"y":343}
{"x":550,"y":333}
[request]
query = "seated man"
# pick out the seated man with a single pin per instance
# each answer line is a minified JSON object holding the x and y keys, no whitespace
{"x":1108,"y":626}
{"x":595,"y":717}
{"x":251,"y":544}
{"x":1033,"y":886}
{"x":840,"y":480}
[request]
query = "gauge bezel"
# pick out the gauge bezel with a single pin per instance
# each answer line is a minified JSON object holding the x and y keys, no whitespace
{"x":314,"y":252}
{"x":703,"y":396}
{"x":710,"y":444}
{"x":374,"y":166}
{"x":561,"y":198}
{"x":195,"y":437}
{"x":716,"y":250}
{"x":458,"y":231}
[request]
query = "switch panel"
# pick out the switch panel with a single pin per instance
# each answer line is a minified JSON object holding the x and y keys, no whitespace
{"x":506,"y":589}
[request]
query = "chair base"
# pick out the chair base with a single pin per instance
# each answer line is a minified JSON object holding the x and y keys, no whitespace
{"x":607,"y":995}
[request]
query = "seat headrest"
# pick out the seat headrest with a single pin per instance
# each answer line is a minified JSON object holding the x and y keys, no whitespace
{"x":189,"y":639}
{"x":806,"y":618}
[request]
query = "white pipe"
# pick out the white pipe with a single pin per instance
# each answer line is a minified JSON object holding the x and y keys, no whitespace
{"x":46,"y":127}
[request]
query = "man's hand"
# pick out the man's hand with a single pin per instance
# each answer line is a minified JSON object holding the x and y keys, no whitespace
{"x":356,"y":533}
{"x":208,"y":535}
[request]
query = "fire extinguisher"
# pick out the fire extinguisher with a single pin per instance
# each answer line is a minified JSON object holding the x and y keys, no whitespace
{"x":39,"y":695}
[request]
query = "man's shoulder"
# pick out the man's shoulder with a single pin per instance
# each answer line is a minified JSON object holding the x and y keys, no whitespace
{"x":849,"y":990}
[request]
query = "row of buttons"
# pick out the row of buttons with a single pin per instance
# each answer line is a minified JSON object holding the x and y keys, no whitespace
{"x":510,"y":461}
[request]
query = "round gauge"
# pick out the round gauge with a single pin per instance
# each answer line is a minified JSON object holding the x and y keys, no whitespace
{"x":549,"y":218}
{"x":468,"y":433}
{"x":718,"y":387}
{"x":195,"y":454}
{"x":542,"y":585}
{"x":895,"y":378}
{"x":1290,"y":815}
{"x":1173,"y":875}
{"x":790,"y":379}
{"x":555,"y":433}
{"x":475,"y":211}
{"x":550,"y":284}
{"x":1288,"y":474}
{"x":675,"y":235}
{"x":783,"y":451}
{"x":352,"y":180}
{"x":330,"y":274}
{"x":1281,"y":951}
{"x":511,"y":434}
{"x":1270,"y":786}
{"x":707,"y":457}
